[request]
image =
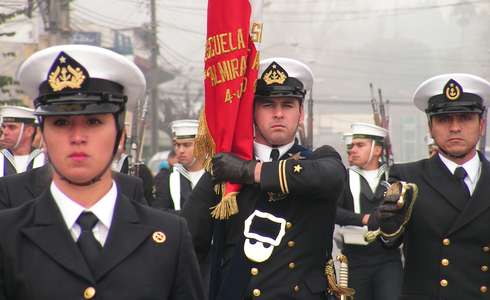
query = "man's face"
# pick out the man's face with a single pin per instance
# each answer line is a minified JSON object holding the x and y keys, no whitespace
{"x":457,"y":134}
{"x":184,"y":152}
{"x":359,"y":153}
{"x":11,"y":131}
{"x":277,"y":120}
{"x":79,"y":147}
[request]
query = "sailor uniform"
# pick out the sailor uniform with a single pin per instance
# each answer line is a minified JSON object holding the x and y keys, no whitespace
{"x":143,"y":253}
{"x":446,"y":242}
{"x":9,"y":165}
{"x":374,"y":271}
{"x":368,"y":263}
{"x":292,"y":210}
{"x":173,"y":194}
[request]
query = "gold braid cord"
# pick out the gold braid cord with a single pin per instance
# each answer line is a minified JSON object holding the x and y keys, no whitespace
{"x":334,"y":288}
{"x":226,"y":207}
{"x":204,"y":149}
{"x":370,"y":236}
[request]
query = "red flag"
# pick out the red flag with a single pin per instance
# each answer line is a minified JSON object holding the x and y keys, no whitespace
{"x":231,"y":68}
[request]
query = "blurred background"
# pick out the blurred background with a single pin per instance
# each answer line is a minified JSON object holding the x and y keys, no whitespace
{"x":395,"y":45}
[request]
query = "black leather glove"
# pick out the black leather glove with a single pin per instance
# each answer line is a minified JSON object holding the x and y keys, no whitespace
{"x":228,"y":167}
{"x":392,"y":214}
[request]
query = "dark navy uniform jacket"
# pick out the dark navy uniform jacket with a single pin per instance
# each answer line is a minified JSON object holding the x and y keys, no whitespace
{"x":40,"y":260}
{"x":306,"y":191}
{"x":447,"y":241}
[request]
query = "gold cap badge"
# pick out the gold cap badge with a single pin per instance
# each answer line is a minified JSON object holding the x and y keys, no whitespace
{"x":159,"y":237}
{"x":453,"y":90}
{"x":274,"y":74}
{"x":66,"y":73}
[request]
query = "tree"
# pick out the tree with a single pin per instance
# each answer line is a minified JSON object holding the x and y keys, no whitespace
{"x":8,"y":86}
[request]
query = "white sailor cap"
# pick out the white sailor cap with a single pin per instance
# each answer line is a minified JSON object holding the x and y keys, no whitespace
{"x":184,"y":129}
{"x":17,"y":114}
{"x":283,"y":77}
{"x":80,"y":79}
{"x":452,"y":93}
{"x":370,"y":131}
{"x":347,"y":137}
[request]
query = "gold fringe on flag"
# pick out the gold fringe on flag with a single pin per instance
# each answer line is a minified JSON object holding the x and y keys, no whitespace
{"x":204,"y":149}
{"x":226,"y":207}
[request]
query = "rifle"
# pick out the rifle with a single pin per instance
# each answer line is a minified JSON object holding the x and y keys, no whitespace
{"x":374,"y":105}
{"x":381,"y":119}
{"x":388,"y":154}
{"x":137,"y":134}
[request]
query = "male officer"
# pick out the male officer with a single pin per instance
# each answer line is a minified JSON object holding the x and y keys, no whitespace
{"x":82,"y":238}
{"x":186,"y":173}
{"x":19,"y":130}
{"x":374,"y":271}
{"x":446,"y":241}
{"x":278,"y":244}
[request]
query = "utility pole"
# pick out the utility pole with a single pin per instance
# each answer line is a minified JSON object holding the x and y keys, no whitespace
{"x":153,"y":81}
{"x":56,"y":18}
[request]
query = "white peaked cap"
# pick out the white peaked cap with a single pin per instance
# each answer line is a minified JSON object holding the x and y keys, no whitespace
{"x":293,"y":67}
{"x":366,"y":129}
{"x":100,"y":63}
{"x":17,"y":114}
{"x":184,"y":129}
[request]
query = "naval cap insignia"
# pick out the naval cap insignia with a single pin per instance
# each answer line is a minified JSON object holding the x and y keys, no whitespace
{"x":452,"y":90}
{"x":274,"y":74}
{"x":66,"y":72}
{"x":159,"y":237}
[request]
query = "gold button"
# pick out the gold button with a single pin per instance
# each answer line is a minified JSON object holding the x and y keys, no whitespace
{"x":89,"y":293}
{"x":289,"y":225}
{"x":484,"y":268}
{"x":296,"y":288}
{"x":291,"y":244}
{"x":254,"y":271}
{"x":483,"y":289}
{"x":446,"y":242}
{"x":256,"y":292}
{"x":444,"y":283}
{"x":486,"y":249}
{"x":292,"y":265}
{"x":445,"y":262}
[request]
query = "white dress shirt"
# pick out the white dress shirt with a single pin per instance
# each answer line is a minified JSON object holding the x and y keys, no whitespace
{"x":472,"y":168}
{"x":102,"y":209}
{"x":263,"y":152}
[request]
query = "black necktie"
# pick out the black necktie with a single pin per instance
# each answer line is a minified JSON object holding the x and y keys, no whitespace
{"x":461,"y":174}
{"x":87,"y":243}
{"x":274,"y":154}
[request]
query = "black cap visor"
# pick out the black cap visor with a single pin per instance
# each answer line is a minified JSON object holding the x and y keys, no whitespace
{"x":79,"y":104}
{"x":290,"y":88}
{"x":468,"y":103}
